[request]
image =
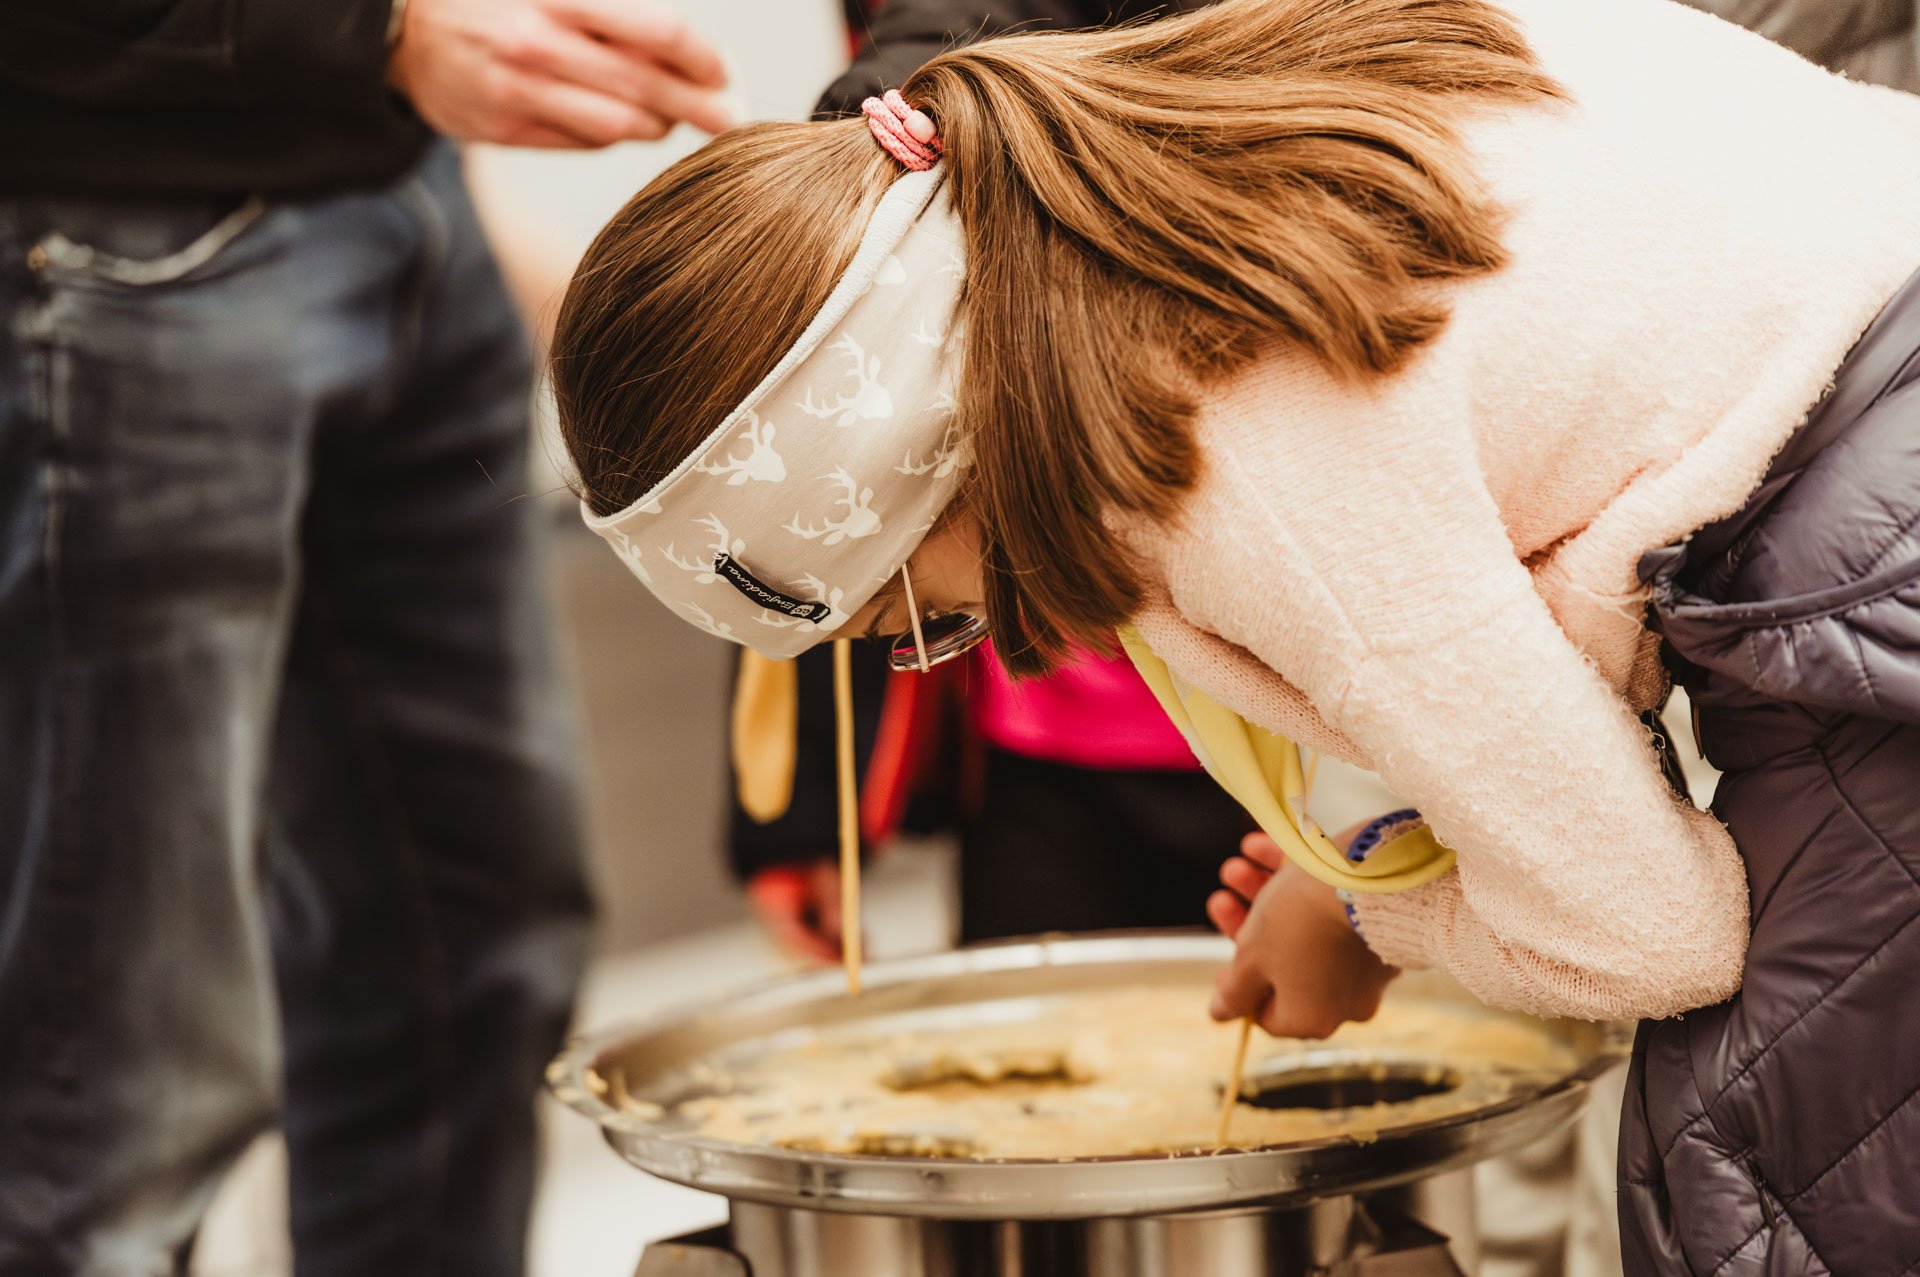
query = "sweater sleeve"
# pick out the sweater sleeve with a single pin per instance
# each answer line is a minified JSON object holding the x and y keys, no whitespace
{"x":1583,"y":886}
{"x":1374,"y":573}
{"x":117,"y":53}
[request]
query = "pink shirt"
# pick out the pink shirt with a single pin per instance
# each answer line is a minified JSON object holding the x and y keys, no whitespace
{"x":1094,"y":713}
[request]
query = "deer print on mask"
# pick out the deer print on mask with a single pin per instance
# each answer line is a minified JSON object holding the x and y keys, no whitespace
{"x":859,"y":521}
{"x":869,"y":400}
{"x":761,"y":462}
{"x":705,"y":620}
{"x":629,"y":553}
{"x":703,"y":573}
{"x":951,"y":453}
{"x":934,"y":335}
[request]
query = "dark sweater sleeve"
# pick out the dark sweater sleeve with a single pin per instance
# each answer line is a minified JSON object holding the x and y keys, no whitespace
{"x":121,"y":53}
{"x":904,"y":34}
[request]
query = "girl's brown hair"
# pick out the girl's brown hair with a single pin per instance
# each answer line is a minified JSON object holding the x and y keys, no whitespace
{"x":1144,"y":209}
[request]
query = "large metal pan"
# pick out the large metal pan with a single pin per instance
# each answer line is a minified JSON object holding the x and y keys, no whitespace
{"x":995,"y":984}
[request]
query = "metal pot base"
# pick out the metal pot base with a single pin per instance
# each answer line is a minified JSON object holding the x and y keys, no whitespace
{"x":1424,"y":1229}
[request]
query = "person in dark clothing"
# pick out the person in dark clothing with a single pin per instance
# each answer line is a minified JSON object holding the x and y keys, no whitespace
{"x":1795,"y":627}
{"x":901,"y":35}
{"x":1079,"y":808}
{"x":1032,"y":830}
{"x":287,"y":819}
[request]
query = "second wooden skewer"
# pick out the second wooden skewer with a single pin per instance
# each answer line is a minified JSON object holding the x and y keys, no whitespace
{"x":1235,"y":1077}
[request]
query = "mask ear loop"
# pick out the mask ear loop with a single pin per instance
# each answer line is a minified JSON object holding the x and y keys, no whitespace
{"x":913,"y":611}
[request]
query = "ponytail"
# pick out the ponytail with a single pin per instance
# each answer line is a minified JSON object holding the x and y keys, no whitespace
{"x":1146,"y":208}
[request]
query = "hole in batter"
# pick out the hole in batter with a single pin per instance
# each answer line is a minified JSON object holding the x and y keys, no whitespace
{"x":1349,"y":1085}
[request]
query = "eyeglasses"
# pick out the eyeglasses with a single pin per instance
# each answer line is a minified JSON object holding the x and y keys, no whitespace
{"x":946,"y":635}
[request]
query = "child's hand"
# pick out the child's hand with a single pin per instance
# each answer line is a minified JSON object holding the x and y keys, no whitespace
{"x":1242,"y":877}
{"x":799,"y":905}
{"x":1299,"y":967}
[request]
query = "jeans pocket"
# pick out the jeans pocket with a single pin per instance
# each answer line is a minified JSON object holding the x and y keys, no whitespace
{"x":97,"y":252}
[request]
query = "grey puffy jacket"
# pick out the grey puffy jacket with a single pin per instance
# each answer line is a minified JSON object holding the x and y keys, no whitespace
{"x":1779,"y":1132}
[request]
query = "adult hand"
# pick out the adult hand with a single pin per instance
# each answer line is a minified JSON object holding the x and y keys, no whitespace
{"x":1298,"y":966}
{"x":799,"y":905}
{"x":557,"y":73}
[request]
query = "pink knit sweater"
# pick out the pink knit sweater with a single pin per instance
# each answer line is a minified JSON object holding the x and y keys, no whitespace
{"x":1433,"y":574}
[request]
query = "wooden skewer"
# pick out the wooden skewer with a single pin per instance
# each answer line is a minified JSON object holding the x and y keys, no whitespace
{"x":1234,"y":1081}
{"x":849,"y":815}
{"x":913,"y":613}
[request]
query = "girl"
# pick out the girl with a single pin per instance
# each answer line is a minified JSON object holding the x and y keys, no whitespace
{"x":1349,"y":356}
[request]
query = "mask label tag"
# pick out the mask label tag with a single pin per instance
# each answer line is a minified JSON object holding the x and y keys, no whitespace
{"x":729,"y":569}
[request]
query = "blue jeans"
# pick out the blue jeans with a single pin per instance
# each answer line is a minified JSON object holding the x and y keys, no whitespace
{"x":287,"y":821}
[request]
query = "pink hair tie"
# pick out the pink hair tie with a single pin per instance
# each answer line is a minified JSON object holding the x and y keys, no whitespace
{"x":908,"y":135}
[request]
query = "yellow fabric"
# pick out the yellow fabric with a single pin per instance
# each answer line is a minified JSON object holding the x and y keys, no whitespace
{"x":1262,"y":772}
{"x":766,"y":715}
